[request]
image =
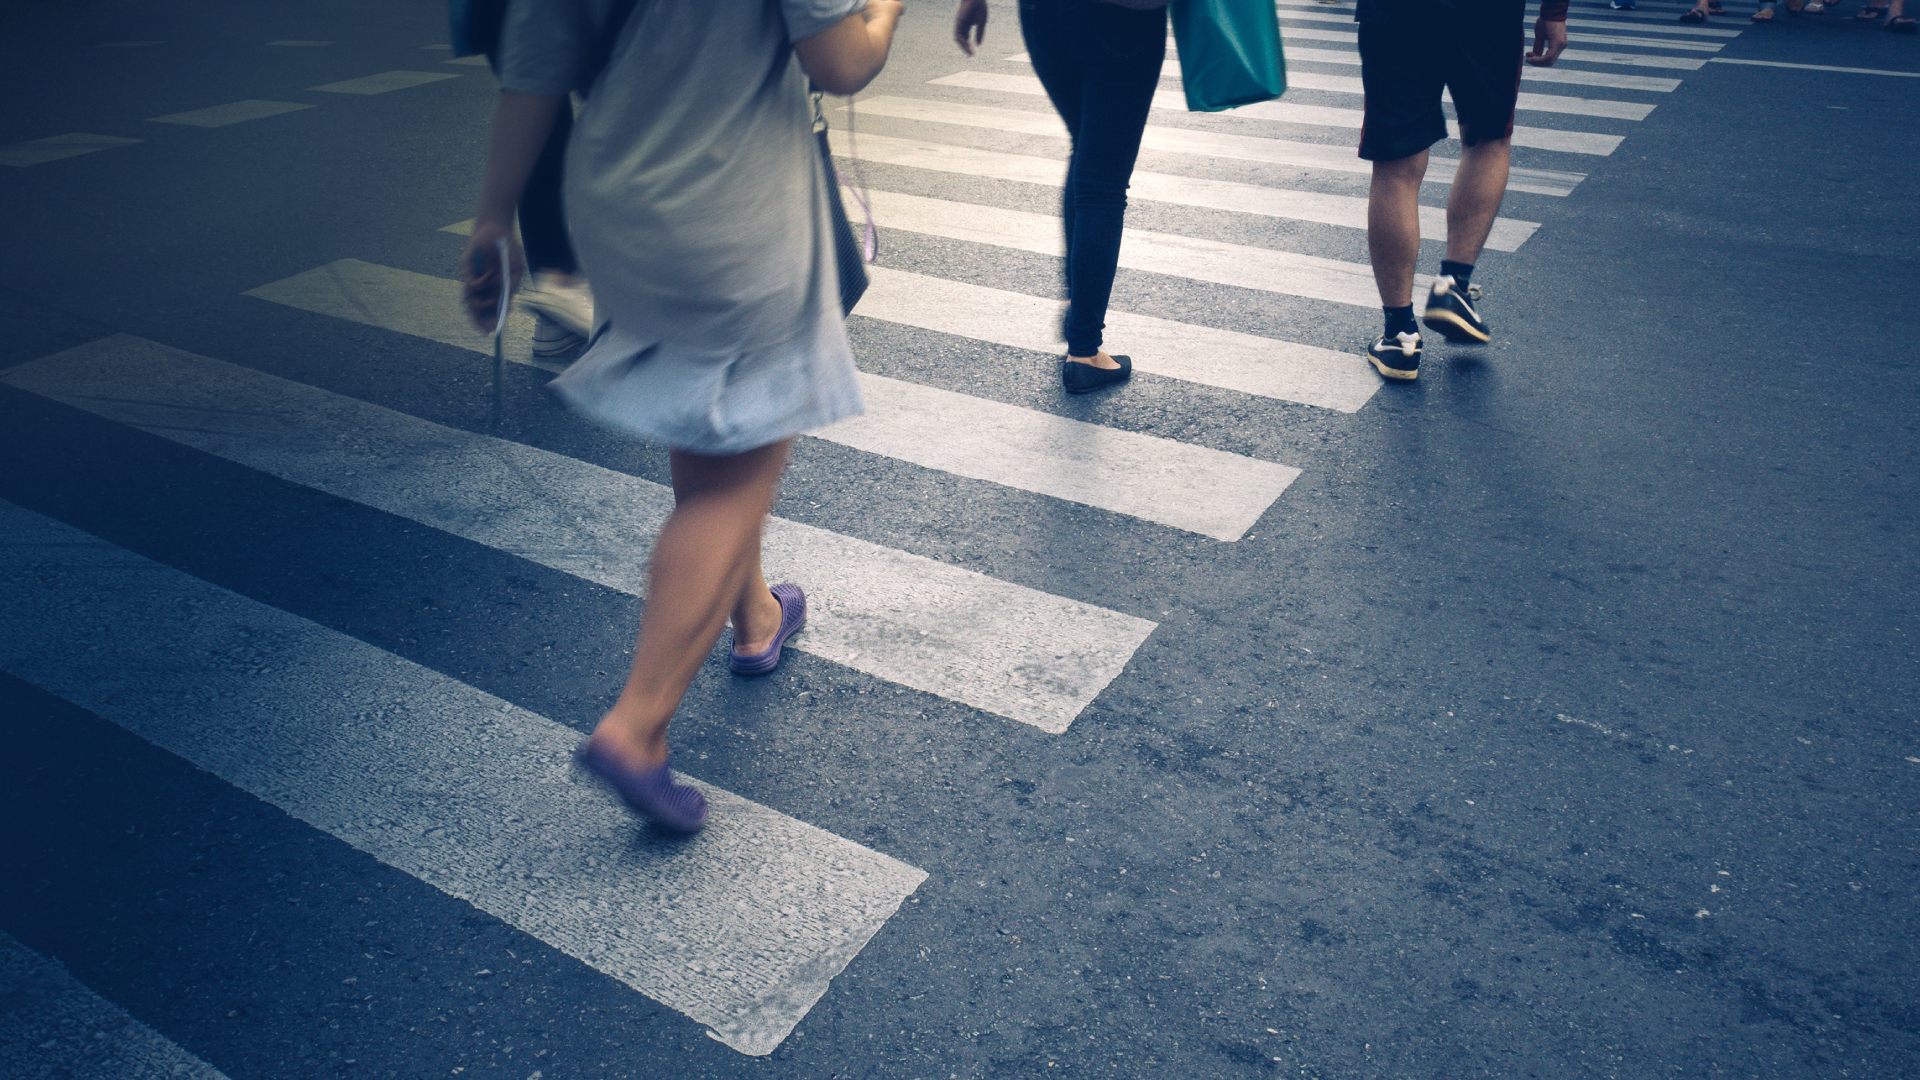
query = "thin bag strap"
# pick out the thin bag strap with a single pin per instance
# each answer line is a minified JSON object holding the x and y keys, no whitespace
{"x":870,"y":239}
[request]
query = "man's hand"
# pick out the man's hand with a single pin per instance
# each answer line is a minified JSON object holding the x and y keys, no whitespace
{"x":1549,"y":41}
{"x":970,"y":21}
{"x":480,"y":271}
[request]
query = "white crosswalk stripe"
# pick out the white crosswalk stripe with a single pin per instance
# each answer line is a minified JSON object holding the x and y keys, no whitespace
{"x":742,"y":928}
{"x":386,"y":82}
{"x":55,"y":1026}
{"x":1285,"y":112}
{"x":1188,"y":487}
{"x":1205,"y":144}
{"x":1300,"y":12}
{"x":1575,"y":51}
{"x":232,"y":113}
{"x":1555,"y":74}
{"x":995,"y":646}
{"x":1265,"y":269}
{"x":1346,"y":211}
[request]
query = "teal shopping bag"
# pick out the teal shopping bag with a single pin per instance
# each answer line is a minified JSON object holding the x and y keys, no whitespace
{"x":1229,"y":52}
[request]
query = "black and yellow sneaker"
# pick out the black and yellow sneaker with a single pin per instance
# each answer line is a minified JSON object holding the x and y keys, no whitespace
{"x":1450,"y":312}
{"x":1396,"y":357}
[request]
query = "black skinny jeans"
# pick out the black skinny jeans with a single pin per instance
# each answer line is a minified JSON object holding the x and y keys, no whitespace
{"x":1100,"y":64}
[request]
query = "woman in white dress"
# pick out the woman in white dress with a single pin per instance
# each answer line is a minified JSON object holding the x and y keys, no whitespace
{"x":698,"y":203}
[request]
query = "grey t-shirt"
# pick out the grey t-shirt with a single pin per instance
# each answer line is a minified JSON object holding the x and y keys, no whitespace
{"x":694,"y":190}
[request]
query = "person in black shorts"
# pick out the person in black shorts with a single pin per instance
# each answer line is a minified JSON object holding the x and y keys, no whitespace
{"x":1411,"y":50}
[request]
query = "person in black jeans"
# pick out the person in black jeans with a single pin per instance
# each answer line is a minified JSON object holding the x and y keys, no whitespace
{"x":560,"y":299}
{"x":1100,"y":64}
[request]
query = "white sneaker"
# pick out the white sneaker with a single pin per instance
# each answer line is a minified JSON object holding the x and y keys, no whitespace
{"x":571,"y":306}
{"x":550,"y":339}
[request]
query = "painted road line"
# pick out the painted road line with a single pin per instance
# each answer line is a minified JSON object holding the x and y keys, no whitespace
{"x":415,"y":304}
{"x":385,"y":82}
{"x":234,"y":112}
{"x":1554,"y":74}
{"x":1572,"y":53}
{"x":1173,"y":140}
{"x":741,"y":928}
{"x":1199,"y":354}
{"x":469,"y":61}
{"x":1287,"y":31}
{"x":1321,"y":13}
{"x":53,"y":148}
{"x":54,"y":1026}
{"x":1188,"y":487}
{"x":1585,"y":56}
{"x":302,"y":44}
{"x":1349,"y":84}
{"x":1572,"y":142}
{"x":1345,"y":211}
{"x":1820,"y":67}
{"x":1265,"y":269}
{"x":1552,"y":103}
{"x":989,"y":644}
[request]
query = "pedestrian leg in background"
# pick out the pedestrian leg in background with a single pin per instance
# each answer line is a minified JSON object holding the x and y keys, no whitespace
{"x":706,"y":570}
{"x":1478,"y":188}
{"x":1393,"y":246}
{"x":560,"y":300}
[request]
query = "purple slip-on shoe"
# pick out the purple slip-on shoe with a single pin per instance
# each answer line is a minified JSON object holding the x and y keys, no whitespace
{"x":651,"y":793}
{"x":793,"y":616}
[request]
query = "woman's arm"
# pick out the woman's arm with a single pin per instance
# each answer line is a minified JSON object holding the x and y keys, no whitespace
{"x":520,"y":126}
{"x":844,"y":58}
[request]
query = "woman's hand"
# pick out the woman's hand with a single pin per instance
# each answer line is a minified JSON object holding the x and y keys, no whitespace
{"x":970,"y":20}
{"x":480,"y":269}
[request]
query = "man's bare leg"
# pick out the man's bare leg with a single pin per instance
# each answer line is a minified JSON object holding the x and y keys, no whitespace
{"x":1393,"y":226}
{"x":1478,"y":187}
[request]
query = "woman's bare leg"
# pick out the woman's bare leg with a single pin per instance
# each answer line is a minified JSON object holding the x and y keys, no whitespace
{"x":706,"y":567}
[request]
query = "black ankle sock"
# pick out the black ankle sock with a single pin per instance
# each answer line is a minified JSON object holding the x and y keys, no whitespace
{"x":1462,"y":273}
{"x":1400,"y":320}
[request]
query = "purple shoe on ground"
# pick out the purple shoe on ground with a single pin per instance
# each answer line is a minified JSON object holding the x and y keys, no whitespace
{"x":793,"y":616}
{"x":652,"y":793}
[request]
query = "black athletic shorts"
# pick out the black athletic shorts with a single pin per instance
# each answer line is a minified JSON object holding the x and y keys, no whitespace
{"x":1403,"y":69}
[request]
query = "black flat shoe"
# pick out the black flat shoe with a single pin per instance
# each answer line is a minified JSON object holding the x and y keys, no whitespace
{"x":1080,"y":378}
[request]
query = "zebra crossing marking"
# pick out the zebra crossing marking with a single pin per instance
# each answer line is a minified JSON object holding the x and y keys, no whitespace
{"x":741,"y":928}
{"x":1213,"y":261}
{"x":1553,"y":103}
{"x":1538,"y":74}
{"x":234,"y":112}
{"x":53,"y":1025}
{"x":385,"y":82}
{"x":1188,"y":487}
{"x":1352,"y":37}
{"x":1571,"y":142}
{"x":1347,"y":84}
{"x":1319,"y":13}
{"x":1573,"y":53}
{"x":1003,"y":648}
{"x":21,"y":155}
{"x":1172,"y":140}
{"x":1345,"y":211}
{"x":1265,"y":367}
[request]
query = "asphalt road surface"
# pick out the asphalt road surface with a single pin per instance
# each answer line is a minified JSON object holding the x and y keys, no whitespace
{"x":1553,"y":716}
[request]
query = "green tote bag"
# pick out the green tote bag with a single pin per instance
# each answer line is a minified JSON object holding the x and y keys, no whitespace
{"x":1229,"y":52}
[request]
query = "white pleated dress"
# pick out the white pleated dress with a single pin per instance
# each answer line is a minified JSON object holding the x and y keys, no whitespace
{"x":698,"y":207}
